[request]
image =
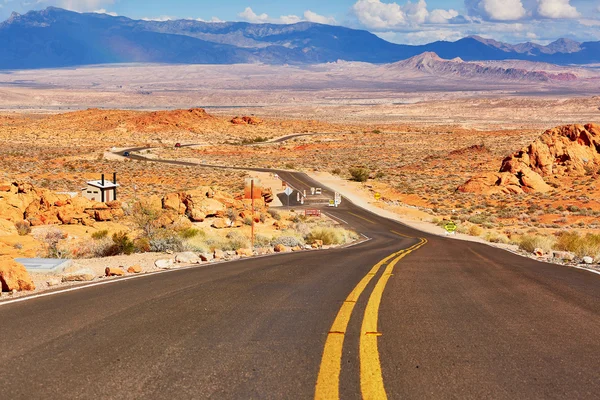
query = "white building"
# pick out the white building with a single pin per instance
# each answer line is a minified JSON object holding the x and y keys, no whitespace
{"x":102,"y":190}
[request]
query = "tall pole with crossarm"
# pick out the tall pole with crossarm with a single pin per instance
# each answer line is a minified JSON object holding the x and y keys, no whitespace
{"x":252,"y":197}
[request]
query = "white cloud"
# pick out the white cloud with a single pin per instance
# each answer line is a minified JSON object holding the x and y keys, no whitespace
{"x":557,"y":9}
{"x":250,"y":16}
{"x":311,"y":16}
{"x":213,"y":19}
{"x":416,"y":12}
{"x":442,"y":16}
{"x":103,"y":11}
{"x":375,"y":14}
{"x":503,"y":10}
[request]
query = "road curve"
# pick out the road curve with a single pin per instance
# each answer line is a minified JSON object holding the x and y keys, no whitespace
{"x":403,"y":315}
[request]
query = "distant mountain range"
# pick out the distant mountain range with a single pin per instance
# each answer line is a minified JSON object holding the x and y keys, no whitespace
{"x":58,"y":38}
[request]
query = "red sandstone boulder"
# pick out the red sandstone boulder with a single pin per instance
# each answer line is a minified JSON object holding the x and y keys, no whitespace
{"x":14,"y":276}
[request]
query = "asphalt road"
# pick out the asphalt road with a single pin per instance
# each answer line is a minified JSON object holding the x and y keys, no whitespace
{"x":403,"y":315}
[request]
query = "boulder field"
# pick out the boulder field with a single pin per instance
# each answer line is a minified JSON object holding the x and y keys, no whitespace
{"x":571,"y":150}
{"x":23,"y":203}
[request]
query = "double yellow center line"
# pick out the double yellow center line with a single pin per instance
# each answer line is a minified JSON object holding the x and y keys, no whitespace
{"x":371,"y":380}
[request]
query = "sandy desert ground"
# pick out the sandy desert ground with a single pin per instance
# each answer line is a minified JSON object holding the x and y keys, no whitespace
{"x":418,"y":138}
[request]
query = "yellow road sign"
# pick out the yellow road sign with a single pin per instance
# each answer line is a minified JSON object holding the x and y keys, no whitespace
{"x":450,"y":227}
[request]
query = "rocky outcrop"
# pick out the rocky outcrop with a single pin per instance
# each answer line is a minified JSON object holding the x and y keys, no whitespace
{"x":568,"y":150}
{"x":246,"y":121}
{"x":22,"y":201}
{"x":572,"y":150}
{"x":14,"y":276}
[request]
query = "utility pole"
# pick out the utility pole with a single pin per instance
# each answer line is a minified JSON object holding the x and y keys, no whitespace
{"x":252,"y":197}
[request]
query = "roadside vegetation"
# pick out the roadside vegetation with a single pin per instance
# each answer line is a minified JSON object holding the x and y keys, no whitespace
{"x":294,"y":232}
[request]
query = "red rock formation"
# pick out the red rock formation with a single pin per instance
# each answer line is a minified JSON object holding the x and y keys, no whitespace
{"x":14,"y":276}
{"x":571,"y":150}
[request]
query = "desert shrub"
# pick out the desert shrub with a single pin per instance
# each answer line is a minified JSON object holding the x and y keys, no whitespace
{"x":496,"y":238}
{"x":164,"y":240}
{"x":275,"y":215}
{"x":359,"y":174}
{"x":263,"y":217}
{"x":190,"y":233}
{"x":142,"y":245}
{"x":479,"y":219}
{"x":231,"y":214}
{"x":217,"y":242}
{"x":262,"y":240}
{"x":288,"y":240}
{"x":146,"y":218}
{"x":290,"y":166}
{"x":330,"y":235}
{"x":122,"y":244}
{"x":336,"y":171}
{"x":531,"y":242}
{"x":588,"y":245}
{"x":238,"y":240}
{"x":302,"y":229}
{"x":51,"y":238}
{"x":23,"y":228}
{"x":258,"y":139}
{"x":100,"y":234}
{"x":248,"y":221}
{"x":475,"y":230}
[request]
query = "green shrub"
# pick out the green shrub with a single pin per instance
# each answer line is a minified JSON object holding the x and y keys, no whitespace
{"x":100,"y":234}
{"x":122,"y":244}
{"x":359,"y":174}
{"x":190,"y":233}
{"x":479,"y":219}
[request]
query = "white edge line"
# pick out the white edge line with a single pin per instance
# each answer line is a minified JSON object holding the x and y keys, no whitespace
{"x":585,"y":269}
{"x":339,"y":219}
{"x":368,"y":239}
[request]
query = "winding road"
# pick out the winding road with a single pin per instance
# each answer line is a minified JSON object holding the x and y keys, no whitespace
{"x":402,"y":315}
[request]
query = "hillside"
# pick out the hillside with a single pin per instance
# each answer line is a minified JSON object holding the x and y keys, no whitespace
{"x":57,"y":38}
{"x":432,"y":64}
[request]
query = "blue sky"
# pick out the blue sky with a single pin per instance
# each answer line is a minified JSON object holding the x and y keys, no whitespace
{"x":401,"y":21}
